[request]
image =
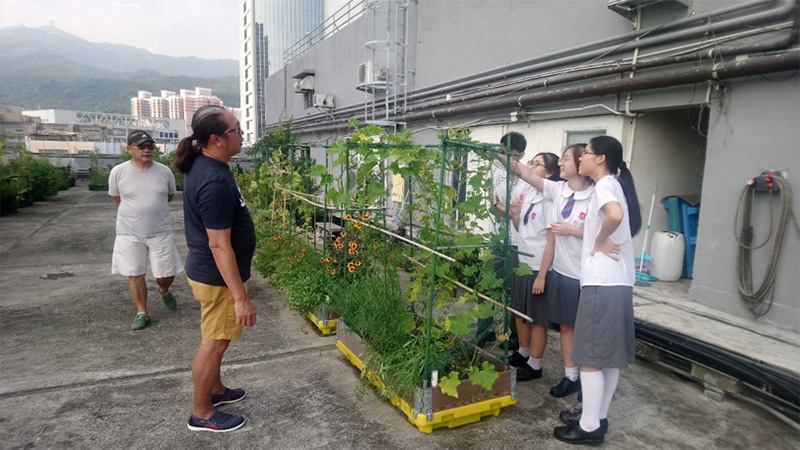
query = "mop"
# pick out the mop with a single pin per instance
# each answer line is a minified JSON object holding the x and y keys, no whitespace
{"x":644,"y":279}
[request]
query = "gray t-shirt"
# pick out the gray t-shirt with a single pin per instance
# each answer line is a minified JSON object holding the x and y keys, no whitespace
{"x":144,"y":211}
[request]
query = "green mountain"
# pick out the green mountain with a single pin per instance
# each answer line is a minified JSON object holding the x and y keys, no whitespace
{"x":45,"y":68}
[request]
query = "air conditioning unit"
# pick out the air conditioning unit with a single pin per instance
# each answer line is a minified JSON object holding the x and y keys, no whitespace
{"x":366,"y":72}
{"x":324,"y":101}
{"x":371,"y":72}
{"x":304,"y":84}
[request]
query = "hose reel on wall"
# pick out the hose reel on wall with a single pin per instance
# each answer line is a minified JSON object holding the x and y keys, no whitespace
{"x":768,"y":182}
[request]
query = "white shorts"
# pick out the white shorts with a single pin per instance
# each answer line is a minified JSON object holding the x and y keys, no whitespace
{"x":131,"y":254}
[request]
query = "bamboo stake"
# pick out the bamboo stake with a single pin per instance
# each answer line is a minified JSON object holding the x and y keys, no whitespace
{"x":389,"y":233}
{"x":300,"y":195}
{"x":470,"y":290}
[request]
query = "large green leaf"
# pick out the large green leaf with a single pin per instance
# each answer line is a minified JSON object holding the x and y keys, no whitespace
{"x":484,"y":310}
{"x":459,"y":323}
{"x":468,"y":238}
{"x":449,"y":384}
{"x":319,"y":170}
{"x":484,"y":377}
{"x":471,"y":204}
{"x":523,"y":270}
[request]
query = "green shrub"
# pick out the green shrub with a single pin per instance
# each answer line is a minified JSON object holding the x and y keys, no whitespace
{"x":42,"y":178}
{"x":98,"y":180}
{"x":65,"y":178}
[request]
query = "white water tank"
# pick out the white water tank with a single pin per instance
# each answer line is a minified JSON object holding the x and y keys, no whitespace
{"x":667,"y":250}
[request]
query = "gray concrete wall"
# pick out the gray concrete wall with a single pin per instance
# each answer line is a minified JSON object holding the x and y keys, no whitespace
{"x":460,"y":38}
{"x":753,"y":127}
{"x":335,"y":61}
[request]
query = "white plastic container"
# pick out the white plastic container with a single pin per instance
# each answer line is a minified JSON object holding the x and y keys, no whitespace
{"x":667,"y":250}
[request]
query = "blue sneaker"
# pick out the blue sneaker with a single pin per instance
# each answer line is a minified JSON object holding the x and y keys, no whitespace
{"x":219,"y":422}
{"x":229,"y":396}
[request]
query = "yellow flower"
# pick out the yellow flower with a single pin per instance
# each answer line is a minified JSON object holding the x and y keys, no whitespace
{"x":344,"y":233}
{"x":348,"y":217}
{"x":353,"y":245}
{"x":362,"y":136}
{"x":365,"y":217}
{"x":351,"y":269}
{"x":421,"y":172}
{"x":358,"y":263}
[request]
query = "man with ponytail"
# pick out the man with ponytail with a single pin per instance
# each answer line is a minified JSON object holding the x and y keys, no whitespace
{"x":221,"y":238}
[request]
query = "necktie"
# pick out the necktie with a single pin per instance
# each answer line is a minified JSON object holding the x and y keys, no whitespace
{"x":567,"y":211}
{"x":527,"y":214}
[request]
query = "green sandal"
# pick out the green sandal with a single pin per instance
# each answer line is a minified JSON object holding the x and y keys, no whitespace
{"x":169,"y":301}
{"x":140,"y":321}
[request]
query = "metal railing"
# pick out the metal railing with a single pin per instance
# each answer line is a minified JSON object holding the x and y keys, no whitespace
{"x":335,"y":22}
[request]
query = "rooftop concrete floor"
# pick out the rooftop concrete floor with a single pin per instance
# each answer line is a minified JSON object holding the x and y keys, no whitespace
{"x":75,"y":376}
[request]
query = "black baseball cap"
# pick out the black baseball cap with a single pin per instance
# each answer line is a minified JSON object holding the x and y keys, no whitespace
{"x":137,"y":137}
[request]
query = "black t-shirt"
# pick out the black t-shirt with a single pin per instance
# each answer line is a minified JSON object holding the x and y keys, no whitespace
{"x":212,"y":200}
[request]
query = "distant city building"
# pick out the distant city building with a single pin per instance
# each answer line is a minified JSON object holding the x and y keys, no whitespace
{"x":269,"y":28}
{"x":100,"y":132}
{"x":15,"y":127}
{"x":173,"y":106}
{"x":141,"y":104}
{"x":194,"y":100}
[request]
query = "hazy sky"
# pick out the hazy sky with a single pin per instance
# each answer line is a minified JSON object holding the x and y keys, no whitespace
{"x":202,"y":28}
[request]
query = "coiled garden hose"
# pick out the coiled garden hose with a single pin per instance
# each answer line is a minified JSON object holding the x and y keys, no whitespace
{"x":756,"y":299}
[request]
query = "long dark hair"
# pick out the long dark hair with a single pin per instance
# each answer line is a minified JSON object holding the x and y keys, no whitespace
{"x":550,"y":165}
{"x":206,"y":121}
{"x":612,"y":149}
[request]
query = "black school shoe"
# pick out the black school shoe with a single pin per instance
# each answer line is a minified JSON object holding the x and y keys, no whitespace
{"x":574,"y":434}
{"x":565,"y":387}
{"x":526,"y":373}
{"x":517,"y":360}
{"x":574,"y":416}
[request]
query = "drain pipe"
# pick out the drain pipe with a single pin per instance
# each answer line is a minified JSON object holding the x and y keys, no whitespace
{"x":629,"y":148}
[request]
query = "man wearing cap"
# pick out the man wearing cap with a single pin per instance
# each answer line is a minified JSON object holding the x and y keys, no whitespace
{"x":141,"y":189}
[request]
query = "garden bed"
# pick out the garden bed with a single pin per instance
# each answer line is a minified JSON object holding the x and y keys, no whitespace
{"x":430,"y":408}
{"x":324,"y":319}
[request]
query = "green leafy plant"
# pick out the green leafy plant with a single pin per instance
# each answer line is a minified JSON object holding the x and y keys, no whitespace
{"x":413,"y":328}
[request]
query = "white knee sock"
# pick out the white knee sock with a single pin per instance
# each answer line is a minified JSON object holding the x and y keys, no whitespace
{"x":525,"y":351}
{"x":611,"y":377}
{"x":571,"y":373}
{"x":592,"y":386}
{"x":535,"y":363}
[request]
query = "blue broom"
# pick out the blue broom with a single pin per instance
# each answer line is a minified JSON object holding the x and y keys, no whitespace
{"x":644,"y":279}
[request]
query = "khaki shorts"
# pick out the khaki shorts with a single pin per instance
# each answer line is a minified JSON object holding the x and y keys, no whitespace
{"x":217,"y":316}
{"x":131,"y":254}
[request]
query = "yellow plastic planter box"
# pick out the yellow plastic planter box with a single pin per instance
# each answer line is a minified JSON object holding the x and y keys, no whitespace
{"x":431,"y":408}
{"x":324,"y":319}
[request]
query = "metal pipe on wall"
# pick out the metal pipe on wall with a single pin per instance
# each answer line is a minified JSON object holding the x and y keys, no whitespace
{"x":789,"y":6}
{"x":708,"y":71}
